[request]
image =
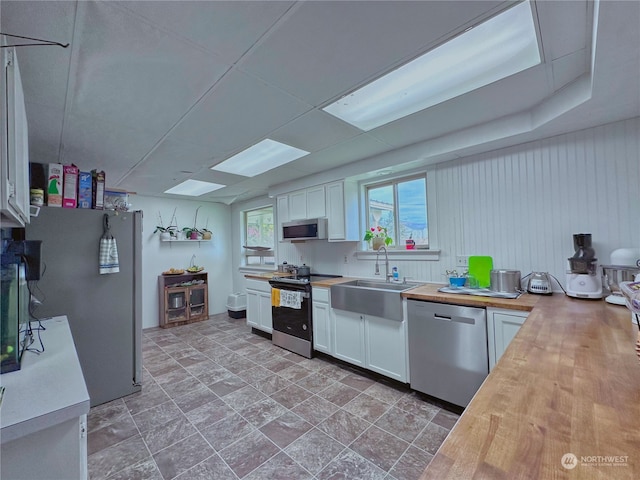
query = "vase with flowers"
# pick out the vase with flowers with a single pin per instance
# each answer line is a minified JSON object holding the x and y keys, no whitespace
{"x":378,"y":236}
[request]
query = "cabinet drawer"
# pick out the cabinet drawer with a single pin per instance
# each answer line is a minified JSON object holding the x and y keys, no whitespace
{"x":320,"y":294}
{"x":259,"y":285}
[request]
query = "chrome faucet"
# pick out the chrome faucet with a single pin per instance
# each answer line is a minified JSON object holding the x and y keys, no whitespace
{"x":386,"y":264}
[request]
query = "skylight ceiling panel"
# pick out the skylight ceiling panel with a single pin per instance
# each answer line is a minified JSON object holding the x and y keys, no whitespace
{"x":278,"y":175}
{"x":237,"y":113}
{"x":490,"y":51}
{"x":523,"y":90}
{"x":133,"y":73}
{"x":228,"y":28}
{"x":327,"y":48}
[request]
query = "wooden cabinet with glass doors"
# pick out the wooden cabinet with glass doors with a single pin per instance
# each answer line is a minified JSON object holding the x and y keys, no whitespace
{"x":183,"y":298}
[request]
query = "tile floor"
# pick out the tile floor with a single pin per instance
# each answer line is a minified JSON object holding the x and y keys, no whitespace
{"x":219,"y":402}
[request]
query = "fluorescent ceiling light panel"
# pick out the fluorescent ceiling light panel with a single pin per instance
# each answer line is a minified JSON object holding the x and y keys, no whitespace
{"x":261,"y":157}
{"x":501,"y":46}
{"x":194,"y":188}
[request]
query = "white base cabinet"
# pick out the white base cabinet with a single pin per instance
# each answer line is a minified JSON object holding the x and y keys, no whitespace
{"x":348,"y":328}
{"x":322,"y":338}
{"x":371,"y":342}
{"x":385,"y":347}
{"x":57,"y":452}
{"x":259,"y":305}
{"x":502,"y":326}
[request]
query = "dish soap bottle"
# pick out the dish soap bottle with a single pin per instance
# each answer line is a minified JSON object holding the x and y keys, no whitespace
{"x":396,"y":275}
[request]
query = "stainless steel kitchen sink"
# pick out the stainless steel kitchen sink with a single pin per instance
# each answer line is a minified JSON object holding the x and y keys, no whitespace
{"x":370,"y":297}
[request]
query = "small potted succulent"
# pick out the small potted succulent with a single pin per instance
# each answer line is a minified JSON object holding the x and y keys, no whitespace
{"x":456,"y":279}
{"x":378,"y":237}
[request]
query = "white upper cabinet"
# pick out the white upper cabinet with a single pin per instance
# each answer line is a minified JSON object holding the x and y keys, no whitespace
{"x":342,"y":211}
{"x":307,"y":203}
{"x":14,"y":146}
{"x":316,"y":202}
{"x":282,"y":210}
{"x":298,"y":205}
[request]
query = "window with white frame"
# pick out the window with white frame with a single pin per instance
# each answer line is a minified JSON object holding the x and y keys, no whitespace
{"x":400,"y":207}
{"x":259,"y":236}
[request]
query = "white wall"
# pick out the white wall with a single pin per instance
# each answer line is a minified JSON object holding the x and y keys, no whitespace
{"x":521,"y":205}
{"x":159,"y":256}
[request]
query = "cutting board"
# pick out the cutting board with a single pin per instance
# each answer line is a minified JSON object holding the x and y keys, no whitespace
{"x":480,"y":267}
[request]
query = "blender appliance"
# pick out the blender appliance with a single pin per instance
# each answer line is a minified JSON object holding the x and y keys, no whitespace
{"x":583,"y":278}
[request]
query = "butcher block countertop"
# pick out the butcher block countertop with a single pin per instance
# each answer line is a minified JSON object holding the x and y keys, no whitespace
{"x":569,"y":383}
{"x":429,"y":292}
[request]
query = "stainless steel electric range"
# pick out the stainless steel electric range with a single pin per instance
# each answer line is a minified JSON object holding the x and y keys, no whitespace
{"x":291,"y":311}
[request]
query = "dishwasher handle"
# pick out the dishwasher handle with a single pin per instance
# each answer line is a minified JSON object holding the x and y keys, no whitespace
{"x":455,"y":319}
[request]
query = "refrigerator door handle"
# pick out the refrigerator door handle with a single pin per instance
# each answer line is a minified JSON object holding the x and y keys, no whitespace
{"x":137,"y":299}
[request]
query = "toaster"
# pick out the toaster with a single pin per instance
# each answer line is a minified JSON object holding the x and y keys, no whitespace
{"x":539,"y":283}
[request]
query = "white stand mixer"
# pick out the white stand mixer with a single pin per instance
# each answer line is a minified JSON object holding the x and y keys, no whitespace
{"x":625,"y":265}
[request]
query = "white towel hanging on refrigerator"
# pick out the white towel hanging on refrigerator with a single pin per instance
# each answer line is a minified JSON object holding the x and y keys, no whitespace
{"x":108,"y":256}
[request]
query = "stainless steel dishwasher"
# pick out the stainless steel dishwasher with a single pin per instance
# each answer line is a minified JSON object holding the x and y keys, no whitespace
{"x":448,"y":356}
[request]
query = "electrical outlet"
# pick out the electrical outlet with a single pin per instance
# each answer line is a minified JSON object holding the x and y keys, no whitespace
{"x":462,"y":260}
{"x":346,"y":260}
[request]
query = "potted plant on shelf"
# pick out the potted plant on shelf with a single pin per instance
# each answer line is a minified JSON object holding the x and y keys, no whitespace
{"x":192,"y":233}
{"x":166,"y":233}
{"x":378,"y":237}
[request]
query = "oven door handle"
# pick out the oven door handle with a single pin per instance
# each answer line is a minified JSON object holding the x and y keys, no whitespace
{"x":302,"y":294}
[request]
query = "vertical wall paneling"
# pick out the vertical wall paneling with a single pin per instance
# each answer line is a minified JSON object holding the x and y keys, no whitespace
{"x":520,"y":204}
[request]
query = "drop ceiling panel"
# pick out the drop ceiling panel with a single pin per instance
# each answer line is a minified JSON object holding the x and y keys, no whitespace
{"x":566,"y":69}
{"x":227,"y":28}
{"x":239,"y":111}
{"x":327,"y":48}
{"x":176,"y":156}
{"x":564,"y":26}
{"x":130,"y":72}
{"x":50,"y":64}
{"x":314,"y":131}
{"x":46,"y":126}
{"x":94,"y":144}
{"x":354,"y":149}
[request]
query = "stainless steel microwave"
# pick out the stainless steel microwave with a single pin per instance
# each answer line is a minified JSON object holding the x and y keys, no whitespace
{"x":311,"y":229}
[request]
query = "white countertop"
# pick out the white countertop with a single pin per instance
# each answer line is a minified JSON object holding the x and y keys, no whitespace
{"x":48,"y":389}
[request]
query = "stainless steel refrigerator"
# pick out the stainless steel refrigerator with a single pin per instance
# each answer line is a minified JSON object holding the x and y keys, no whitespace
{"x":104,"y":311}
